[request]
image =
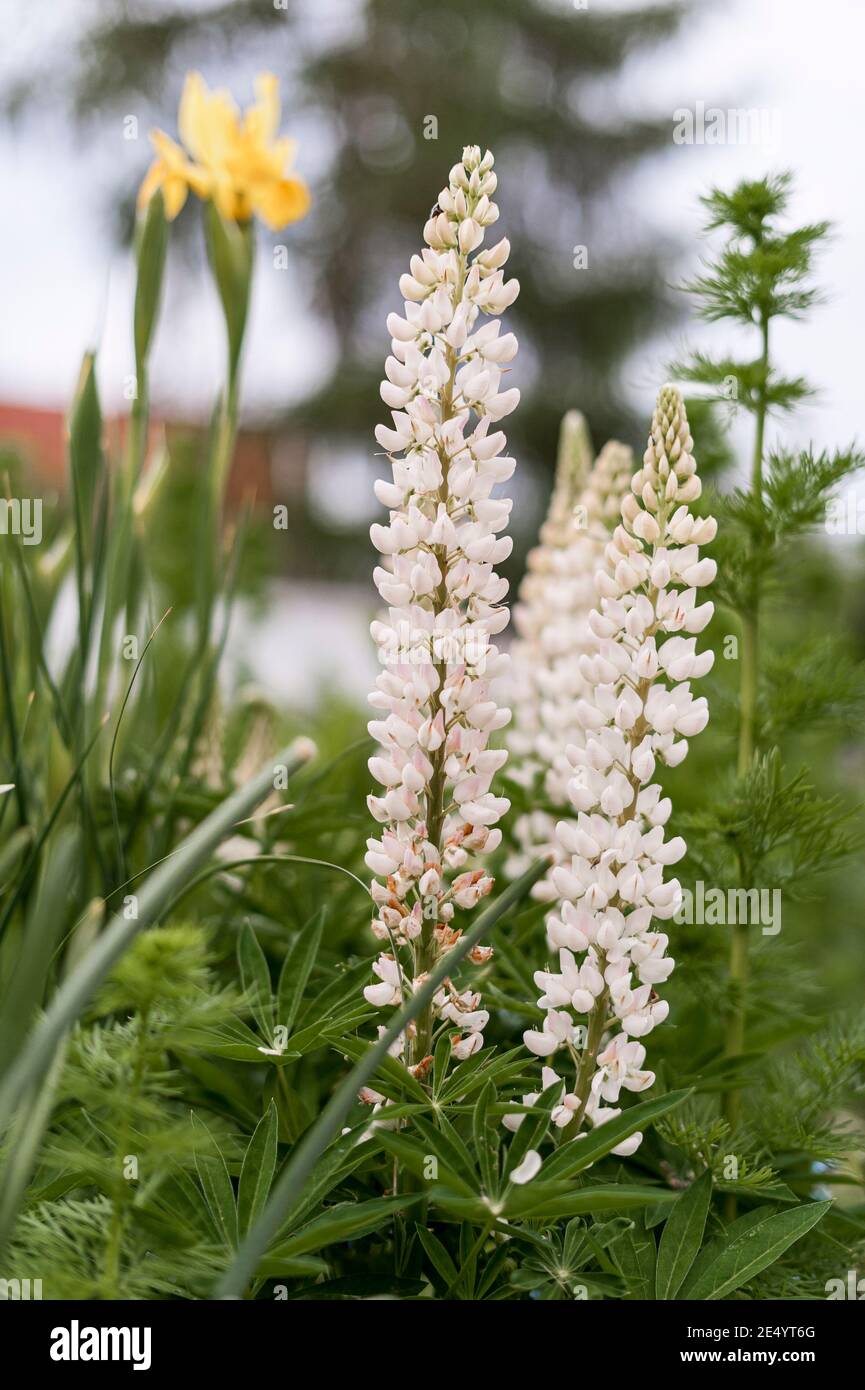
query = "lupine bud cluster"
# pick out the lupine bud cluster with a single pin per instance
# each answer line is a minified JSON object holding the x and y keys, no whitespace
{"x":551,"y":617}
{"x":640,"y":710}
{"x":435,"y":713}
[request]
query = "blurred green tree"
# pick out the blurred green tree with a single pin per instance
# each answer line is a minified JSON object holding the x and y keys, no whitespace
{"x":386,"y":93}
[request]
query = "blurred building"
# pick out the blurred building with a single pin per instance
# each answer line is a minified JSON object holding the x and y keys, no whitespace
{"x":270,"y":465}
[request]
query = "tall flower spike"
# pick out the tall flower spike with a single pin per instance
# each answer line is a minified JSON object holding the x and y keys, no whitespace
{"x":551,"y":617}
{"x":434,"y":710}
{"x":640,"y":710}
{"x":537,"y":606}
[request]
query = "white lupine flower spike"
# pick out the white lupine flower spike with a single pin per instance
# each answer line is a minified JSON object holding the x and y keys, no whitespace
{"x":543,"y":607}
{"x":551,"y":617}
{"x":445,"y":384}
{"x":638,"y":711}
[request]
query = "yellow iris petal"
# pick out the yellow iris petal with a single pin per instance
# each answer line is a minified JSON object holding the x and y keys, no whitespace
{"x":174,"y":192}
{"x":262,"y":119}
{"x":191,"y":120}
{"x":240,"y":163}
{"x":280,"y":201}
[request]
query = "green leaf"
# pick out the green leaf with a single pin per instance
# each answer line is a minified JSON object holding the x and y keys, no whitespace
{"x":230,"y":252}
{"x":296,"y":970}
{"x":414,"y":1156}
{"x":13,"y":851}
{"x":483,"y":1137}
{"x":446,"y":1145}
{"x":256,"y":1174}
{"x":255,"y":978}
{"x":215,"y":1181}
{"x":682,"y":1237}
{"x":86,"y":460}
{"x":577,"y":1154}
{"x":547,"y":1201}
{"x":474,"y":1073}
{"x":441,"y":1062}
{"x":284,"y":1267}
{"x":332,"y":1169}
{"x":390,"y":1077}
{"x":437,"y":1256}
{"x":346,"y":1221}
{"x":588,"y":1200}
{"x":335,"y":996}
{"x":361,"y":1286}
{"x":752,"y":1250}
{"x":720,"y":1242}
{"x":533,"y":1128}
{"x":150,"y":256}
{"x":763,"y":1191}
{"x":48,"y":915}
{"x":635,"y":1255}
{"x":492,"y":1271}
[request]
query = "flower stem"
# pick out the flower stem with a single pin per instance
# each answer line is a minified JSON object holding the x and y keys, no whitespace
{"x":114,"y":1242}
{"x":739,"y":962}
{"x":597,"y":1021}
{"x":217,"y":482}
{"x":424,"y":950}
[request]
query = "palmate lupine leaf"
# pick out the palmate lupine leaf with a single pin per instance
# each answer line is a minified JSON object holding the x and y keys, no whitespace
{"x":550,"y":1202}
{"x":329,"y":1122}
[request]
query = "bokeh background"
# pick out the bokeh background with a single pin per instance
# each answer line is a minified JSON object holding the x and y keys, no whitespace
{"x":578,"y":102}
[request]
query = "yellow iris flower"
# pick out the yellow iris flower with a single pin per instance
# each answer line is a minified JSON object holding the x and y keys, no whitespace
{"x":238,"y":161}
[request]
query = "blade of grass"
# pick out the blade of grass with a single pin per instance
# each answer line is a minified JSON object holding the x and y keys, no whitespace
{"x":227,"y":865}
{"x":121,"y":859}
{"x":25,"y":876}
{"x":12,"y":718}
{"x":26,"y":986}
{"x":60,"y":714}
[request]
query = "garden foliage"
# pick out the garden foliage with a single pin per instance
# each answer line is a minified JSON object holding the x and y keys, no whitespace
{"x":201,"y":1093}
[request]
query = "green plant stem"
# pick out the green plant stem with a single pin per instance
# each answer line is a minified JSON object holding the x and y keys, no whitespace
{"x":114,"y":1241}
{"x":751,"y":622}
{"x":586,"y":1070}
{"x":735,"y":1038}
{"x":121,"y":546}
{"x":217,"y":483}
{"x":469,"y":1264}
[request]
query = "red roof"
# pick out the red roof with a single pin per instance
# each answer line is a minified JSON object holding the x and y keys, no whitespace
{"x":39,"y":435}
